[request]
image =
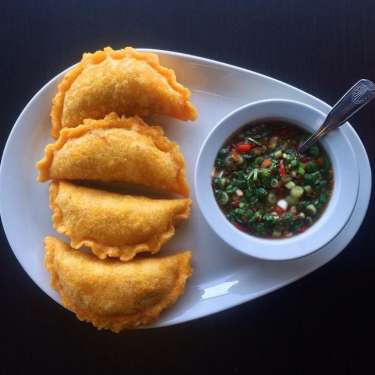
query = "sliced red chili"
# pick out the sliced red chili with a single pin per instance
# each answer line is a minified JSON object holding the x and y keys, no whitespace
{"x":240,"y":227}
{"x":234,"y":155}
{"x":236,"y":201}
{"x":282,"y":169}
{"x":319,"y":161}
{"x":266,"y":163}
{"x":279,"y":210}
{"x":280,"y":192}
{"x":244,"y":147}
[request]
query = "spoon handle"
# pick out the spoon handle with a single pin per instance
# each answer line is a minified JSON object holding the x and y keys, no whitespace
{"x":352,"y":101}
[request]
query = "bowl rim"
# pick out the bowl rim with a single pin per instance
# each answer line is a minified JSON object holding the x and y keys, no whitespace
{"x":344,"y":194}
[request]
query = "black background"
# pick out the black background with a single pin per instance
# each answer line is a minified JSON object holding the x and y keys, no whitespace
{"x":323,"y":324}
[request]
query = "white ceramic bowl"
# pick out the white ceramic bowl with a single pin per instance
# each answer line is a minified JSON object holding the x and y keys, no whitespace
{"x":340,"y":206}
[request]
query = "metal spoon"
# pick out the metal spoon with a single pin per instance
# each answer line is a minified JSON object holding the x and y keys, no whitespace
{"x":354,"y":100}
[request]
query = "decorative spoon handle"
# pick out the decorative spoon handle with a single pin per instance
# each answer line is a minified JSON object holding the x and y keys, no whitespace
{"x":354,"y":100}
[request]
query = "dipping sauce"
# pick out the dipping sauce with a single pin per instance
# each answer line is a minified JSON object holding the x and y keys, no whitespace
{"x":264,"y":187}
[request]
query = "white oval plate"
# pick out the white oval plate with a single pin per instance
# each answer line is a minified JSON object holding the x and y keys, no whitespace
{"x":223,"y":277}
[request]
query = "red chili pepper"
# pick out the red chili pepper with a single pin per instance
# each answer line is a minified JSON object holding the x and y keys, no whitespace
{"x":244,"y":147}
{"x":236,"y":201}
{"x":301,"y":229}
{"x":282,"y":169}
{"x":240,"y":227}
{"x":234,"y":155}
{"x":319,"y":161}
{"x":266,"y":163}
{"x":280,"y":192}
{"x":279,"y":210}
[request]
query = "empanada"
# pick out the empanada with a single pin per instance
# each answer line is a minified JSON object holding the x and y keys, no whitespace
{"x":126,"y":81}
{"x":116,"y":149}
{"x":113,"y":224}
{"x":111,"y":294}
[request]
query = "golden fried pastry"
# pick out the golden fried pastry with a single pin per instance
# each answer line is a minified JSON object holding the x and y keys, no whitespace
{"x":111,"y":294}
{"x":113,"y":224}
{"x":116,"y":149}
{"x":126,"y":81}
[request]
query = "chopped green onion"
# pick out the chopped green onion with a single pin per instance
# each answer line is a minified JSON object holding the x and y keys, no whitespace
{"x":290,"y":185}
{"x":230,"y":189}
{"x":269,"y":218}
{"x":277,"y":154}
{"x":326,"y":165}
{"x":224,"y":151}
{"x":308,"y":178}
{"x":239,"y":159}
{"x":287,"y":218}
{"x":272,"y":198}
{"x":296,"y":192}
{"x":294,"y":163}
{"x":265,"y":172}
{"x":301,"y":170}
{"x":254,"y":174}
{"x":248,"y":193}
{"x":311,"y":209}
{"x":258,"y":160}
{"x":274,"y":182}
{"x":308,"y":189}
{"x":228,"y":161}
{"x":276,"y":233}
{"x":285,"y":179}
{"x":261,"y":192}
{"x":311,"y":166}
{"x":315,"y":177}
{"x":221,"y":182}
{"x":291,"y":200}
{"x":314,"y":151}
{"x":323,"y":197}
{"x":223,"y":197}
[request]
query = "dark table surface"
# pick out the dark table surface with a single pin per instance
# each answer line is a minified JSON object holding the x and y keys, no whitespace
{"x":321,"y":324}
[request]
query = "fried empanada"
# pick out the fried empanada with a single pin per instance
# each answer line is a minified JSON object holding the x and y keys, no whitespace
{"x":126,"y":81}
{"x":113,"y":224}
{"x":111,"y":294}
{"x":116,"y":149}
